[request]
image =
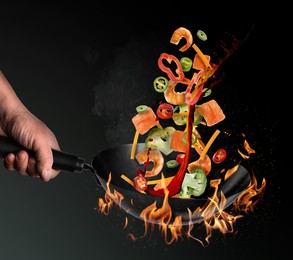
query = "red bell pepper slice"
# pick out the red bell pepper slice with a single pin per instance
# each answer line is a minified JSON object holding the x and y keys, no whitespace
{"x":188,"y":97}
{"x":169,"y":58}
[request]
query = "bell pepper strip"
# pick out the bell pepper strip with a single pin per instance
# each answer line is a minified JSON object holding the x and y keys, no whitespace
{"x":191,"y":98}
{"x":171,"y":58}
{"x":180,"y":33}
{"x":174,"y":186}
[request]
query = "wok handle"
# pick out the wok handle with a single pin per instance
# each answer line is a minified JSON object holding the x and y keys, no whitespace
{"x":62,"y":160}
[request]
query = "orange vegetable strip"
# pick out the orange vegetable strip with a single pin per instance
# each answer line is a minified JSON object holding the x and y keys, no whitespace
{"x":208,"y":145}
{"x":134,"y":144}
{"x":203,"y":58}
{"x":180,"y":114}
{"x":159,"y":180}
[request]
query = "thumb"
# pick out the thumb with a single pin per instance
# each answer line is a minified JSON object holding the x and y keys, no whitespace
{"x":44,"y":162}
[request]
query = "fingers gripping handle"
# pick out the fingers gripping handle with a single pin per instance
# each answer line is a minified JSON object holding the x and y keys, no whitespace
{"x":62,"y":160}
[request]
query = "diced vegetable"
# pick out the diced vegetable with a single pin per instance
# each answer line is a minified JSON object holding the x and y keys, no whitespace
{"x":211,"y":112}
{"x":177,"y":144}
{"x":143,"y":122}
{"x":198,"y":63}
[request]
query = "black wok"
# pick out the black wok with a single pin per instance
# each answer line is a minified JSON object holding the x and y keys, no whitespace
{"x":117,"y":161}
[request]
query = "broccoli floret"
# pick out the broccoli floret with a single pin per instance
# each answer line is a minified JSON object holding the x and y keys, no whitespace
{"x":194,"y":183}
{"x":160,"y":139}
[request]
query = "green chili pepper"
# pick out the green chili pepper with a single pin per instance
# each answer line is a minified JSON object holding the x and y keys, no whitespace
{"x":161,"y":84}
{"x":194,"y":138}
{"x":186,"y":63}
{"x":141,"y":108}
{"x":201,"y":35}
{"x":172,"y":164}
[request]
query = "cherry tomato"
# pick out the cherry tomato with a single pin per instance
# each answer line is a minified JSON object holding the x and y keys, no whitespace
{"x":180,"y":158}
{"x":165,"y":111}
{"x":219,"y":156}
{"x":140,"y":183}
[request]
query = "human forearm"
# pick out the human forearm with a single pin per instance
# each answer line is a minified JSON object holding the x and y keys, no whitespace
{"x":9,"y":102}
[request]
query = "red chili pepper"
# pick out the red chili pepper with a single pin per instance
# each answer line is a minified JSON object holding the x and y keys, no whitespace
{"x":179,"y":71}
{"x":165,"y":111}
{"x":175,"y":185}
{"x":140,"y":183}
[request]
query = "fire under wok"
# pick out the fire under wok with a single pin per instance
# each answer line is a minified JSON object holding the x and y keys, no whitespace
{"x":116,"y":161}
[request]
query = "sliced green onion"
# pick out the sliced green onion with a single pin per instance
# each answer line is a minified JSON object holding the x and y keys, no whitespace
{"x":201,"y":35}
{"x":172,"y":164}
{"x":186,"y":63}
{"x":141,"y":108}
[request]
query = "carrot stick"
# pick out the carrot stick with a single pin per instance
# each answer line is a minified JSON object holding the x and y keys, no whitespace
{"x":134,"y":144}
{"x":208,"y":145}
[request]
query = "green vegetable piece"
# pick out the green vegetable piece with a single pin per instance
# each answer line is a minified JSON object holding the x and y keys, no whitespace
{"x":141,"y":108}
{"x":172,"y":164}
{"x":207,"y":92}
{"x":161,"y":84}
{"x":186,"y":63}
{"x":201,"y":35}
{"x":180,"y":120}
{"x":197,"y":117}
{"x":194,"y":183}
{"x":193,"y":138}
{"x":160,"y":139}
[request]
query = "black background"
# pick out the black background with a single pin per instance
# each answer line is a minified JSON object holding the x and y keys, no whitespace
{"x":83,"y":70}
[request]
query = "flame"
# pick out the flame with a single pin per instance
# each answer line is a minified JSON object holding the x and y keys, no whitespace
{"x":231,"y":171}
{"x":247,"y":148}
{"x":104,"y":205}
{"x":213,"y":214}
{"x":248,"y":199}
